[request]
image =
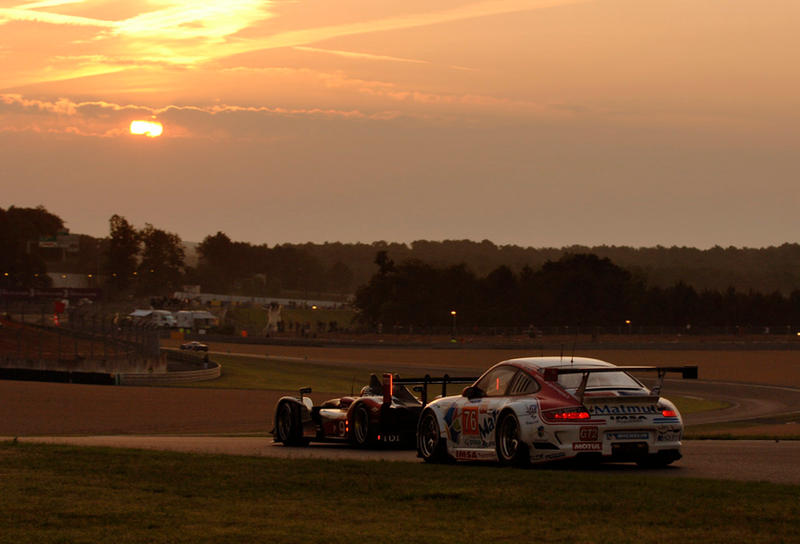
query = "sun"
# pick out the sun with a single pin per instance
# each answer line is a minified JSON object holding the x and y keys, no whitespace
{"x":151,"y":129}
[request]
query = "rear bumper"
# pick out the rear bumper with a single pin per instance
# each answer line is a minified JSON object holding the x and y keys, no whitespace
{"x":610,"y":444}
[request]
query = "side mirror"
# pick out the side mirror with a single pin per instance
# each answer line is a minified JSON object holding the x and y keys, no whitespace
{"x":472,"y":392}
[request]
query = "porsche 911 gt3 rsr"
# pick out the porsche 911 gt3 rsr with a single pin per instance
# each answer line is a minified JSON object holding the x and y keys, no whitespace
{"x":542,"y":409}
{"x":385,"y":413}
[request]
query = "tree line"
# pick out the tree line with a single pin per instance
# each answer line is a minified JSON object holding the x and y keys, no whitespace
{"x":485,"y":283}
{"x":580,"y":290}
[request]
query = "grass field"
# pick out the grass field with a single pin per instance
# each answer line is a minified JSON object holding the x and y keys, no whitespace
{"x":67,"y":494}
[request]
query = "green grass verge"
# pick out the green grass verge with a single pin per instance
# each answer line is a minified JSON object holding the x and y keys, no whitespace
{"x":54,"y":494}
{"x":691,"y":405}
{"x":740,"y":430}
{"x":261,"y":373}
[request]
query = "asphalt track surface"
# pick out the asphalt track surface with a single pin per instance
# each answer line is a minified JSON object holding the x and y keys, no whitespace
{"x":743,"y":460}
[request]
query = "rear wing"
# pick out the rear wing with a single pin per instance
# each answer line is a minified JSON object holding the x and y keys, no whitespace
{"x":422,"y":384}
{"x":688,"y":372}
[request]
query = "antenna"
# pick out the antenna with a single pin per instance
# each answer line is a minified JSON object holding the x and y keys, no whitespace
{"x":562,"y":352}
{"x":572,"y":359}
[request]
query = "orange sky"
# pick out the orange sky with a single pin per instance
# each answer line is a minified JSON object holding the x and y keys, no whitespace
{"x":535,"y":122}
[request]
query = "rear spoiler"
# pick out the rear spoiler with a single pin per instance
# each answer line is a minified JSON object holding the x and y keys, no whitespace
{"x":389,"y":380}
{"x":688,"y":372}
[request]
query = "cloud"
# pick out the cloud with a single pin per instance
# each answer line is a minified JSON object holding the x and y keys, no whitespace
{"x":107,"y":119}
{"x":354,"y":55}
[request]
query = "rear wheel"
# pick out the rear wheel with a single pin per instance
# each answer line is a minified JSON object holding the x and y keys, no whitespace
{"x":360,"y":434}
{"x":288,"y":428}
{"x":511,"y":450}
{"x":430,"y":444}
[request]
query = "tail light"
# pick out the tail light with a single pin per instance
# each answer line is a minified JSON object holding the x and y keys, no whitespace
{"x":669,"y":413}
{"x":574,"y":413}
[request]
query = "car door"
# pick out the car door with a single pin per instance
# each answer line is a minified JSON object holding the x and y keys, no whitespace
{"x":473,"y":419}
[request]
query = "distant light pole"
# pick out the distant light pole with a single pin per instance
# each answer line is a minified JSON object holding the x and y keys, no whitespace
{"x":628,"y":323}
{"x":453,"y":313}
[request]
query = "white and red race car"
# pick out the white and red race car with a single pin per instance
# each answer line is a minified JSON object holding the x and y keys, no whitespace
{"x":541,"y":409}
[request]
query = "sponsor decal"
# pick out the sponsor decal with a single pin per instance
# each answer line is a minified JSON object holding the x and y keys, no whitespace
{"x":587,"y":446}
{"x":487,"y":427}
{"x":672,"y":435}
{"x":391,"y":438}
{"x":532,"y":410}
{"x":453,"y":423}
{"x":628,"y":419}
{"x":628,"y":436}
{"x":622,"y":409}
{"x":469,"y":421}
{"x":588,"y":434}
{"x":472,"y":455}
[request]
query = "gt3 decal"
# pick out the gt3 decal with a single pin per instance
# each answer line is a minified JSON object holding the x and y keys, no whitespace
{"x":588,"y":434}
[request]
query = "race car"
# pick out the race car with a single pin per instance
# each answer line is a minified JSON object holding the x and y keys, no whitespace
{"x":385,"y":413}
{"x":194,"y":346}
{"x":541,"y":409}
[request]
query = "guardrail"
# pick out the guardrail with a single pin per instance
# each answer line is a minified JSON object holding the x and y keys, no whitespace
{"x":190,"y":368}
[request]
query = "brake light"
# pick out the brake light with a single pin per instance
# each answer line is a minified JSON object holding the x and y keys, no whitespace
{"x":669,"y":413}
{"x":567,"y":414}
{"x":571,"y":415}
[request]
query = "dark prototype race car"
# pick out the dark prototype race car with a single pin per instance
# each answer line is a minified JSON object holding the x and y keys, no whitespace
{"x":384,"y":414}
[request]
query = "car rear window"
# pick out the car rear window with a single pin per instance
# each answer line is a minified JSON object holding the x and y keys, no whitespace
{"x":600,"y":380}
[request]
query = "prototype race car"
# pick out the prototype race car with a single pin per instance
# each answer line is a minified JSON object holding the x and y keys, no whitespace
{"x":383,"y":414}
{"x":541,"y":409}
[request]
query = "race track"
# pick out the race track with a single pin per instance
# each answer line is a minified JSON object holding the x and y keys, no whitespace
{"x":172,"y":419}
{"x":744,"y":460}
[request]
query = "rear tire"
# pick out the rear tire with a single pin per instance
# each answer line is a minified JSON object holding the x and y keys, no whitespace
{"x":288,"y":427}
{"x":361,"y":434}
{"x":430,"y":444}
{"x":511,"y":450}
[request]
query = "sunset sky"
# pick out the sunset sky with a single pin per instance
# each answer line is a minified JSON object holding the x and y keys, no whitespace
{"x":532,"y":122}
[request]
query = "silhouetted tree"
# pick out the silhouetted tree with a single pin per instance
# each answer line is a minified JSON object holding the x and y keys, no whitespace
{"x":21,"y":263}
{"x":122,"y":253}
{"x":161,"y":268}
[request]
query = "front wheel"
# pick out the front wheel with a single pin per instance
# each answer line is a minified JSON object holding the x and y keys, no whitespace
{"x":511,"y":450}
{"x":430,"y":444}
{"x":288,"y":429}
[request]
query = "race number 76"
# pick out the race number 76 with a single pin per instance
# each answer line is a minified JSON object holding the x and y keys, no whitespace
{"x":469,"y":420}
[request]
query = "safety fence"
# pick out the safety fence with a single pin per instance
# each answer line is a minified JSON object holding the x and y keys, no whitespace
{"x":76,"y":340}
